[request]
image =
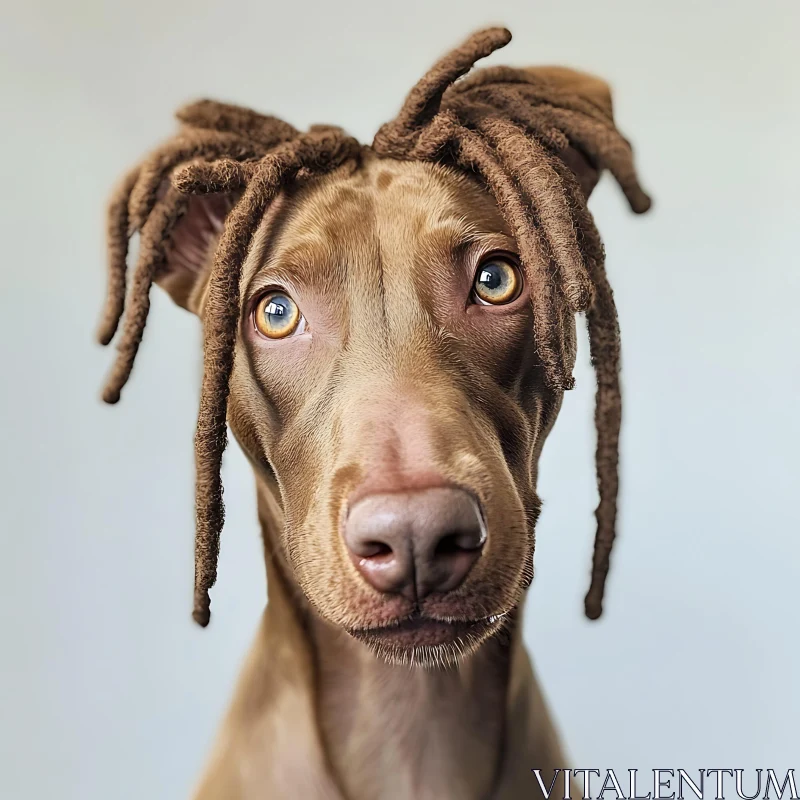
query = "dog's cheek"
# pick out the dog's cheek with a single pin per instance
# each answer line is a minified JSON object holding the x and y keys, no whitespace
{"x":499,"y":345}
{"x":510,"y":556}
{"x":506,"y":493}
{"x":310,"y":541}
{"x":330,"y":583}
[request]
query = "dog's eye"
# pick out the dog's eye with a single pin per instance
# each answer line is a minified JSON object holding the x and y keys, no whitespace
{"x":277,"y":316}
{"x":497,"y":281}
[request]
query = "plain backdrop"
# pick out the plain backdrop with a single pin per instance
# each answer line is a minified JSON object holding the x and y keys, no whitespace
{"x":108,"y":690}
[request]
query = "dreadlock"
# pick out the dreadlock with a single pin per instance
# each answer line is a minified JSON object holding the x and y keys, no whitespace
{"x":509,"y":127}
{"x":506,"y":126}
{"x":220,"y":148}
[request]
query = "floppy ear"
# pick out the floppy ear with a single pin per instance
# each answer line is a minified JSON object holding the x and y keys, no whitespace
{"x":190,"y":248}
{"x":589,"y":88}
{"x":178,"y":236}
{"x":585,"y":171}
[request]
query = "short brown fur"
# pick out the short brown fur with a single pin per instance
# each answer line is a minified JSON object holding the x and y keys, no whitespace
{"x":269,"y":198}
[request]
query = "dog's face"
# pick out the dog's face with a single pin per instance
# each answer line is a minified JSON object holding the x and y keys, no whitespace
{"x":385,"y":372}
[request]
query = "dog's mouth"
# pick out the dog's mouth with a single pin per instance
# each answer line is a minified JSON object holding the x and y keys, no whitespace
{"x":422,"y":631}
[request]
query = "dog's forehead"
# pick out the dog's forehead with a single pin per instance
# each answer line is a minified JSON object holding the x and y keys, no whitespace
{"x":400,"y":218}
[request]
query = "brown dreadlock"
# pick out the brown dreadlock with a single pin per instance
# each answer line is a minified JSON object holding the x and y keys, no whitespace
{"x":221,"y":148}
{"x":507,"y":126}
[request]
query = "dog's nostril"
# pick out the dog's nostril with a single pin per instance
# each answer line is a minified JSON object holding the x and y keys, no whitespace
{"x":375,"y":550}
{"x":455,"y":543}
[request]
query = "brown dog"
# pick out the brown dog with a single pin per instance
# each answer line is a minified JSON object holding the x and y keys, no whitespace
{"x":388,"y":333}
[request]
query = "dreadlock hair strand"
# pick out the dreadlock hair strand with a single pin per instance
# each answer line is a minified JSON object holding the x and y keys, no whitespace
{"x":535,"y":123}
{"x":220,"y":317}
{"x":604,"y":345}
{"x":187,"y":145}
{"x":117,"y":236}
{"x":473,"y":152}
{"x":316,"y":152}
{"x":152,"y":256}
{"x":224,"y":118}
{"x":541,"y":183}
{"x":424,"y":100}
{"x":213,"y":177}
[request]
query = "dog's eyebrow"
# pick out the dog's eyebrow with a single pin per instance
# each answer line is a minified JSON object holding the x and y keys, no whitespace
{"x":489,"y":241}
{"x":458,"y":237}
{"x":301,"y":262}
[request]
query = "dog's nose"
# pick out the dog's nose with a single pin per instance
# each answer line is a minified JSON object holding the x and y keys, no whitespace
{"x":415,"y":543}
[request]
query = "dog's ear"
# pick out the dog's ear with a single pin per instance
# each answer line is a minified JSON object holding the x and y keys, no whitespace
{"x":189,"y":251}
{"x":585,"y":171}
{"x":595,"y":91}
{"x":587,"y":86}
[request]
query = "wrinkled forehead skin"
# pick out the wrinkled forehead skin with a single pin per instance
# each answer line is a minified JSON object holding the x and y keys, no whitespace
{"x":402,"y":382}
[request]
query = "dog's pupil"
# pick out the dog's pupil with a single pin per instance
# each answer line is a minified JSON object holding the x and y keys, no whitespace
{"x":491,"y":277}
{"x":277,"y":309}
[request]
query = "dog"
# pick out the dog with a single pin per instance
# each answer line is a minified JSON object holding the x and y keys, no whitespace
{"x":388,"y":333}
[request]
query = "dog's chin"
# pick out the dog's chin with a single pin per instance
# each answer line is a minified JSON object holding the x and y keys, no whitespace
{"x":428,"y":642}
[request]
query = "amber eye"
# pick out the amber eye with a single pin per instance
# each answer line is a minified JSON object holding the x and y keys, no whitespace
{"x":277,"y":316}
{"x":497,"y":281}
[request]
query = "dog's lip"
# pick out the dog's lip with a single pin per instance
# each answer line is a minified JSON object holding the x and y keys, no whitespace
{"x":422,"y":630}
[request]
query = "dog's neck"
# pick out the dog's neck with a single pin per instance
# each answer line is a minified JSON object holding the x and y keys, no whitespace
{"x":391,"y":730}
{"x":408,"y":732}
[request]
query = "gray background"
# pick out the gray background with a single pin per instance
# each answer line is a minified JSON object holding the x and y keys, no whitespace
{"x":108,"y":690}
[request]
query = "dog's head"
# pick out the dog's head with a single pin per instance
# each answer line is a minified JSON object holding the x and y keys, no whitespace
{"x":388,"y":332}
